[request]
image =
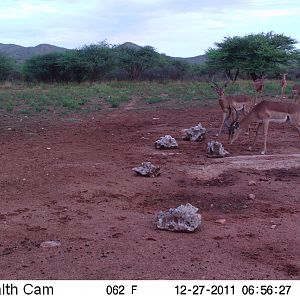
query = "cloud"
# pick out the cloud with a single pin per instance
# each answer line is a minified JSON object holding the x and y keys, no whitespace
{"x":269,"y":13}
{"x":176,"y":27}
{"x":21,"y":10}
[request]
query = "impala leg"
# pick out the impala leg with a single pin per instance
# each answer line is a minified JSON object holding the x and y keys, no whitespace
{"x":256,"y":134}
{"x":223,"y":121}
{"x":298,"y":129}
{"x":265,"y":132}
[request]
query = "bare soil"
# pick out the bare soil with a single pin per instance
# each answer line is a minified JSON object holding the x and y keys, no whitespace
{"x":70,"y":180}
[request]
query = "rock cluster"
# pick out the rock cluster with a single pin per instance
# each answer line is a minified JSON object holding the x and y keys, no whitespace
{"x":216,"y":150}
{"x":195,"y":134}
{"x":147,"y":169}
{"x":166,"y":142}
{"x":184,"y":218}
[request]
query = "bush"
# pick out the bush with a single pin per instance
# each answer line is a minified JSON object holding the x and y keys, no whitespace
{"x":8,"y":68}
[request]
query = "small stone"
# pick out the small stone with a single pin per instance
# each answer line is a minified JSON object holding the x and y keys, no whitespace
{"x":251,"y":182}
{"x":49,"y":244}
{"x":273,"y":226}
{"x":221,"y":221}
{"x":166,"y":142}
{"x":251,"y":197}
{"x":147,"y":169}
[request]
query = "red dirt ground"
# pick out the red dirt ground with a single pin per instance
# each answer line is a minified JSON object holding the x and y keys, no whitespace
{"x":71,"y":181}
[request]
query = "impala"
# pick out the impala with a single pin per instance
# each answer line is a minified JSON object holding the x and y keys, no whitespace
{"x":296,"y":92}
{"x":264,"y":113}
{"x":240,"y":103}
{"x":283,"y":84}
{"x":258,"y":85}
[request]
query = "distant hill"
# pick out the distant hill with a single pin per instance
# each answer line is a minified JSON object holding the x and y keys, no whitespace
{"x":129,"y":45}
{"x":20,"y":53}
{"x":192,"y":60}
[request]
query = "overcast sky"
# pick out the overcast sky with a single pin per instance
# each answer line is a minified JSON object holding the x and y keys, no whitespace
{"x":175,"y":27}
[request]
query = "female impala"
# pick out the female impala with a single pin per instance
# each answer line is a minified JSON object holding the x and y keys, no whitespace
{"x":258,"y":85}
{"x":237,"y":102}
{"x":264,"y":113}
{"x":283,"y":84}
{"x":296,"y":92}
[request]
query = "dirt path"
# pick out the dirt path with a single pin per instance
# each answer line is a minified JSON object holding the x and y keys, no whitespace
{"x":71,"y":181}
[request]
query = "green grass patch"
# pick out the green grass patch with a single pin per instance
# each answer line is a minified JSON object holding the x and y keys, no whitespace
{"x":9,"y":106}
{"x":116,"y":100}
{"x":86,"y":98}
{"x":153,"y":100}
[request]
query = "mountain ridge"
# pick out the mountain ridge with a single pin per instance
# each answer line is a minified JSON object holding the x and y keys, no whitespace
{"x":21,"y":53}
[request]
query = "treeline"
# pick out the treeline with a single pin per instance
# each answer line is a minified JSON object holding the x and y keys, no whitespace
{"x":99,"y":62}
{"x":251,"y":56}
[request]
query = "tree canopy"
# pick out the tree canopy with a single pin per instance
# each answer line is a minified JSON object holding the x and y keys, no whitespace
{"x":7,"y":67}
{"x":103,"y":62}
{"x":255,"y":54}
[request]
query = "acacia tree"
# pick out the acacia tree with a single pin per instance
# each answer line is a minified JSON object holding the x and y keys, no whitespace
{"x":255,"y":54}
{"x":135,"y":61}
{"x":97,"y":60}
{"x":7,"y":67}
{"x":43,"y":67}
{"x":92,"y":62}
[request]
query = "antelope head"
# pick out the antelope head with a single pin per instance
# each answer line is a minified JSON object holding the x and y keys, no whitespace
{"x":219,"y":89}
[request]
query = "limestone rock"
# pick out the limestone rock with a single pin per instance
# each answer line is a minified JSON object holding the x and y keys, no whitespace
{"x":216,"y":150}
{"x":251,"y":182}
{"x":251,"y":197}
{"x":50,"y":244}
{"x":221,"y":221}
{"x":184,"y":218}
{"x":195,"y":134}
{"x":166,"y":142}
{"x":147,"y":169}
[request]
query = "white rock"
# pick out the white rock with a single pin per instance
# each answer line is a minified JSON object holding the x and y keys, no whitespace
{"x":216,"y":150}
{"x":195,"y":134}
{"x":251,"y":182}
{"x":166,"y":142}
{"x":147,"y":169}
{"x":184,"y":218}
{"x":251,"y":197}
{"x":49,"y":244}
{"x":221,"y":221}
